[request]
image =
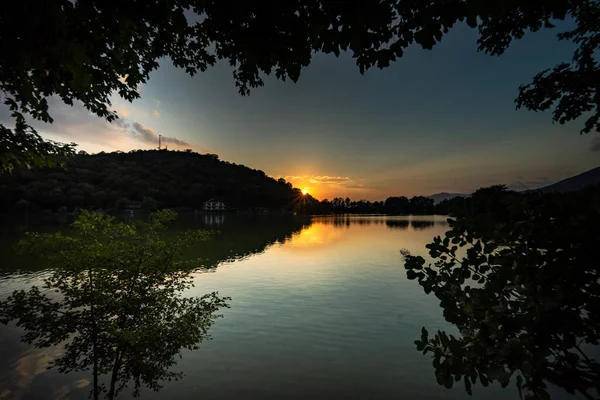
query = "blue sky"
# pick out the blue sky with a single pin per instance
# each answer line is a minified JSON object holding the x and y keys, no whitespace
{"x":439,"y":120}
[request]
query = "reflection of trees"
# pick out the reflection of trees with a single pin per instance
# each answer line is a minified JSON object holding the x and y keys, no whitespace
{"x":421,"y":224}
{"x":397,"y":223}
{"x":348,"y":220}
{"x":241,"y":236}
{"x":114,"y":304}
{"x":524,"y":293}
{"x":234,"y":238}
{"x":392,"y":223}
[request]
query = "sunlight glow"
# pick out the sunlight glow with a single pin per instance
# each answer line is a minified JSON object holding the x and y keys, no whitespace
{"x":304,"y":192}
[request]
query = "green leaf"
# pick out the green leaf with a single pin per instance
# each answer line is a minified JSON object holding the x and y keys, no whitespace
{"x":484,"y":380}
{"x":468,"y":385}
{"x":117,"y":298}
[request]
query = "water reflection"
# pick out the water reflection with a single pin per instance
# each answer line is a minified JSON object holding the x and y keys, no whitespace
{"x":213,"y":219}
{"x":392,"y":222}
{"x":421,"y":224}
{"x":344,"y":220}
{"x":113,"y":302}
{"x":397,"y":224}
{"x":239,"y":237}
{"x":320,"y":309}
{"x":234,"y":238}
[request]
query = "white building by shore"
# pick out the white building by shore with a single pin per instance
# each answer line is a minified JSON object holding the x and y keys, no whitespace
{"x":214,"y":205}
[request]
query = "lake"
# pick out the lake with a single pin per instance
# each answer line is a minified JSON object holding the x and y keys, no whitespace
{"x":321,"y":309}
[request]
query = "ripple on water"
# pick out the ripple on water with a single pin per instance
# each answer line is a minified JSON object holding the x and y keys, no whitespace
{"x":326,"y":313}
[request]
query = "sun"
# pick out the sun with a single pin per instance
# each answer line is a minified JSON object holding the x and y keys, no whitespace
{"x":304,"y":192}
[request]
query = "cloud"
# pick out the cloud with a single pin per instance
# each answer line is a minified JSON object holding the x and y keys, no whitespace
{"x":121,"y":123}
{"x":595,"y":145}
{"x":148,"y":135}
{"x":155,"y":113}
{"x":71,"y":124}
{"x":77,"y":124}
{"x":356,"y":186}
{"x":329,"y":179}
{"x":342,"y":181}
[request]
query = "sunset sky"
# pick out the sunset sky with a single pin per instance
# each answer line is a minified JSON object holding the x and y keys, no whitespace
{"x":441,"y":120}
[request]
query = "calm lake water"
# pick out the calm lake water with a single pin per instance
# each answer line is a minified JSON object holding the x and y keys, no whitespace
{"x":320,"y":309}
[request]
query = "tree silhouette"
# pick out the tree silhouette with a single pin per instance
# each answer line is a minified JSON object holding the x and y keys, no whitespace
{"x":397,"y":205}
{"x":517,"y":275}
{"x":85,"y":51}
{"x":109,"y":180}
{"x":24,"y":148}
{"x":113,"y":301}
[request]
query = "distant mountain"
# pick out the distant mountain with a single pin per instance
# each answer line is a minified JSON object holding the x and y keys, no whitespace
{"x":588,"y":178}
{"x":438,"y":197}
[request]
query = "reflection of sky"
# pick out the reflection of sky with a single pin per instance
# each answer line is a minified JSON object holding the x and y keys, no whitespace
{"x":327,"y":314}
{"x":335,"y":237}
{"x":441,"y":120}
{"x":350,"y":234}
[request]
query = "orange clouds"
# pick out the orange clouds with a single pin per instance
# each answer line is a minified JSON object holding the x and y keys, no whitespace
{"x":327,"y":186}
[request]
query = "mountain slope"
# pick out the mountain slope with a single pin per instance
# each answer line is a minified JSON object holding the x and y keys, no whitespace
{"x":170,"y":178}
{"x":588,"y":178}
{"x":438,"y":197}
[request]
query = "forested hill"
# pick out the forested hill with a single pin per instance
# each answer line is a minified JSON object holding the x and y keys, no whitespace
{"x":168,"y":178}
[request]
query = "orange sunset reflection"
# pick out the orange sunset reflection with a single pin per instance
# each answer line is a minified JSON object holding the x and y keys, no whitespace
{"x":317,"y":234}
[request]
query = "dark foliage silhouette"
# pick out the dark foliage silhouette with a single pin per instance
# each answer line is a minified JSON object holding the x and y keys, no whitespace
{"x":84,"y":51}
{"x":157,"y":178}
{"x":113,"y":302}
{"x":518,"y":275}
{"x":392,"y":206}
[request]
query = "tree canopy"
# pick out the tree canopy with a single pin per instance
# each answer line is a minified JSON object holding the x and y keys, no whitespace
{"x":113,"y":301}
{"x":86,"y":50}
{"x":157,"y":178}
{"x":517,"y":275}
